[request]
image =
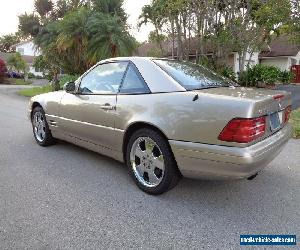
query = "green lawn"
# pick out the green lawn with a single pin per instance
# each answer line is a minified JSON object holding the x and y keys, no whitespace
{"x":35,"y":91}
{"x":21,"y":82}
{"x":14,"y":81}
{"x":295,"y":120}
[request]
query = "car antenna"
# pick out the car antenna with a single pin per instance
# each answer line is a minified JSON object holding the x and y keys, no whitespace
{"x":196,"y":97}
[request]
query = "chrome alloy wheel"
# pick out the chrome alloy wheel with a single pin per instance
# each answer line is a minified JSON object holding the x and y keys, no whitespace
{"x":147,"y":162}
{"x":39,"y":126}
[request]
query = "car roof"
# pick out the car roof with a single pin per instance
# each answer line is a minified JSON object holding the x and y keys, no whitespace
{"x":157,"y":79}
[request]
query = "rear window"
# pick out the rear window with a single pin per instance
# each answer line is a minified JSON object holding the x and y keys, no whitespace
{"x":193,"y":76}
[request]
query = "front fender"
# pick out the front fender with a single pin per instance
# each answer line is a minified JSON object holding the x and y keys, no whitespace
{"x":49,"y":102}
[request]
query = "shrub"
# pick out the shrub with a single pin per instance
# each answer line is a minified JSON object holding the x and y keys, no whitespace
{"x":31,"y":75}
{"x":260,"y":74}
{"x":286,"y":76}
{"x":228,"y":73}
{"x":295,"y":120}
{"x":3,"y":69}
{"x":67,"y":78}
{"x":218,"y":67}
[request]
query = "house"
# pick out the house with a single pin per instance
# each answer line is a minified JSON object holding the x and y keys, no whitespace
{"x":27,"y":48}
{"x":29,"y":51}
{"x":281,"y":53}
{"x":151,"y":49}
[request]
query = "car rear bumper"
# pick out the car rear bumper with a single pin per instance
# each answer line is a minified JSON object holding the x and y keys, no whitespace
{"x":204,"y":161}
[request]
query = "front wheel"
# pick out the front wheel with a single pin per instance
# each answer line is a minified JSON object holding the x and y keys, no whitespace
{"x":151,"y":162}
{"x":41,"y":131}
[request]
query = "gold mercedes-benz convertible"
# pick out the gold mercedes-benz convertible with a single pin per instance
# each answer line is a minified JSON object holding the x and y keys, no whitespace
{"x":166,"y":119}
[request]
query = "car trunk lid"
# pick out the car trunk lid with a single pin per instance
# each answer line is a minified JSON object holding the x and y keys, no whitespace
{"x":270,"y":103}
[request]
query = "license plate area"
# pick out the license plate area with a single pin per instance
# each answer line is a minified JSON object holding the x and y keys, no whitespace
{"x":276,"y":120}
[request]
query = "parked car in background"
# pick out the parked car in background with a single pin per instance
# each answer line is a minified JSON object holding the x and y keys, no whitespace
{"x":165,"y":119}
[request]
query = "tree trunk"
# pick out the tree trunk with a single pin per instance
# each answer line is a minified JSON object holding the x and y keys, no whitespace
{"x":185,"y":52}
{"x":179,"y":41}
{"x":250,"y":57}
{"x":55,"y":84}
{"x":159,"y":41}
{"x":114,"y":50}
{"x":242,"y":59}
{"x":173,"y":38}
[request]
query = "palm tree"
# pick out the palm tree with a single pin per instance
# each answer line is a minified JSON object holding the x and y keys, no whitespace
{"x":73,"y":39}
{"x":108,"y":37}
{"x":151,"y":14}
{"x":111,"y":7}
{"x":43,"y":7}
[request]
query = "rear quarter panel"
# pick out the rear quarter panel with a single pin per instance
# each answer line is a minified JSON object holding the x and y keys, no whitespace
{"x":179,"y":117}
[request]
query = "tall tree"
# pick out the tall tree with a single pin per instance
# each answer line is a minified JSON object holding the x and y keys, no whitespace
{"x":8,"y":42}
{"x":223,"y":26}
{"x":76,"y":34}
{"x":43,"y":7}
{"x":16,"y":62}
{"x":108,"y":37}
{"x":152,"y":14}
{"x":111,"y":7}
{"x":29,"y":25}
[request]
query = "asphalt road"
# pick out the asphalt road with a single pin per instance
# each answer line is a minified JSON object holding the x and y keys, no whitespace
{"x":65,"y":197}
{"x":295,"y":90}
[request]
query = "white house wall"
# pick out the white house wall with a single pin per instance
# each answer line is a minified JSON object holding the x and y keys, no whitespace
{"x":32,"y":70}
{"x":252,"y":60}
{"x":28,"y":49}
{"x":297,"y":58}
{"x":283,"y":63}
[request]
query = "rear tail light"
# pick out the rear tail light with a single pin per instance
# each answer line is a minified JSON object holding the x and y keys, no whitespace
{"x":278,"y":97}
{"x":243,"y":130}
{"x":287,"y":113}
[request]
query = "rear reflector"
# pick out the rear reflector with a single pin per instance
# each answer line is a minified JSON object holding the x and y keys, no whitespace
{"x":243,"y":130}
{"x":287,"y":113}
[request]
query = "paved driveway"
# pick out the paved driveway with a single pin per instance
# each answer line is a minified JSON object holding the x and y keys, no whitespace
{"x":65,"y":197}
{"x":295,"y":90}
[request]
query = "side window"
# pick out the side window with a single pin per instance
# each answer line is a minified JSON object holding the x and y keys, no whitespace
{"x":133,"y":82}
{"x":103,"y":79}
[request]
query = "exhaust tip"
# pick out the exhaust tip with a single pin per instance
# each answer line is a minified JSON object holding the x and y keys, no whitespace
{"x":252,"y":177}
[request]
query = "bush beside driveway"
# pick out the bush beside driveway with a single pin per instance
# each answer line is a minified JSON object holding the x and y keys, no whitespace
{"x":295,"y":120}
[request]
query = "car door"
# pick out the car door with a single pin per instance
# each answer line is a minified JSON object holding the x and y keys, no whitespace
{"x":90,"y":113}
{"x":133,"y":92}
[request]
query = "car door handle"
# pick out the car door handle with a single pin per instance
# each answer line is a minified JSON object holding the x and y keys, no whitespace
{"x":107,"y":106}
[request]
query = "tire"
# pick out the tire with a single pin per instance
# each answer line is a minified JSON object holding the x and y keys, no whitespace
{"x":151,"y":162}
{"x":41,"y":131}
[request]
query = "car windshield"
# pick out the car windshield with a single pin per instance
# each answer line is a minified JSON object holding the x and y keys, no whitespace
{"x":192,"y":76}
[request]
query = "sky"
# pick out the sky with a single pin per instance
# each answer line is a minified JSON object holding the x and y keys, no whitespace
{"x":10,"y":9}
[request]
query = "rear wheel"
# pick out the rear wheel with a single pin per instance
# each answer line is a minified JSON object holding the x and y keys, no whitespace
{"x":151,"y":162}
{"x":41,"y":131}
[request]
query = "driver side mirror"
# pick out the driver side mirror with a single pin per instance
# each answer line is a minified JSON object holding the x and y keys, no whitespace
{"x":70,"y":87}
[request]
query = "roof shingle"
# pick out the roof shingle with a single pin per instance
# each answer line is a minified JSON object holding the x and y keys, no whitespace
{"x":281,"y":46}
